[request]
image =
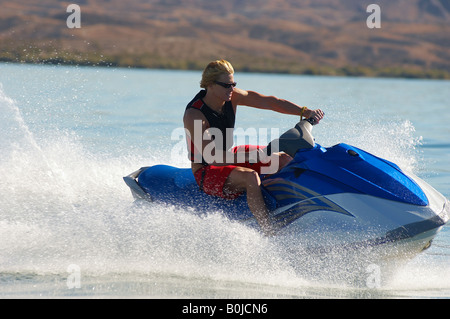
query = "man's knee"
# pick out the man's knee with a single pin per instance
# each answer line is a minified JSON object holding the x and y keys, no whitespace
{"x":244,"y":177}
{"x":284,"y":159}
{"x":251,"y":177}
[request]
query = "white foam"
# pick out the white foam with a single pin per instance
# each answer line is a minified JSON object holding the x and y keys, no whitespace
{"x":62,"y":204}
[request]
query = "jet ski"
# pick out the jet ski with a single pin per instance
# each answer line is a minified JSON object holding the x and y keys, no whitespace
{"x":339,"y":196}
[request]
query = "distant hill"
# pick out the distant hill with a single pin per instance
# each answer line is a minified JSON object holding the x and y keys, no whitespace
{"x":310,"y":36}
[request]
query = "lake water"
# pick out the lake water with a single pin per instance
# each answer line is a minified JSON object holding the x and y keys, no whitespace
{"x":68,"y":224}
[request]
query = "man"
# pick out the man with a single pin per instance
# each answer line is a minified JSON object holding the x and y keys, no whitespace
{"x":209,"y":119}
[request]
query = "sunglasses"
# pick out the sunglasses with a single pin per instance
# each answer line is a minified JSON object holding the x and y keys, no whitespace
{"x":226,"y":85}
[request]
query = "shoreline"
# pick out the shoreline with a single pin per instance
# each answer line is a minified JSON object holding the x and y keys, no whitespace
{"x":288,"y":68}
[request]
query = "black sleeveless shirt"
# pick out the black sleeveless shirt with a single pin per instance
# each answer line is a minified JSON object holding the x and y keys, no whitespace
{"x":221,"y":121}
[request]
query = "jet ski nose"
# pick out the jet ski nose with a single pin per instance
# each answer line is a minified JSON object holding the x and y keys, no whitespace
{"x":391,"y":180}
{"x":384,"y":178}
{"x":366,"y":173}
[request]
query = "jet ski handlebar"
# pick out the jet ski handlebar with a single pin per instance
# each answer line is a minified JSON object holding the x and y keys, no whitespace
{"x":311,"y":120}
{"x":297,"y":138}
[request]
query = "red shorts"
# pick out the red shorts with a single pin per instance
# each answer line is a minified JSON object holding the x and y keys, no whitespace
{"x":212,"y":179}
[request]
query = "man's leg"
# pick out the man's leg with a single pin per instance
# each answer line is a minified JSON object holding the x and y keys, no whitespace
{"x":245,"y":179}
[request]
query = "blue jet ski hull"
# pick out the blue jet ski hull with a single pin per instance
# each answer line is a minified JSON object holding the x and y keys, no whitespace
{"x":341,"y":194}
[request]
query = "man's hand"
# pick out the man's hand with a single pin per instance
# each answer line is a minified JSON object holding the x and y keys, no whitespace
{"x":317,"y":115}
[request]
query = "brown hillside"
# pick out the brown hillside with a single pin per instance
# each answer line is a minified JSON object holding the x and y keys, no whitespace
{"x":312,"y":36}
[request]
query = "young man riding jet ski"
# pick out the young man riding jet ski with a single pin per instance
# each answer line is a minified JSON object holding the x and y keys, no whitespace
{"x":209,"y":119}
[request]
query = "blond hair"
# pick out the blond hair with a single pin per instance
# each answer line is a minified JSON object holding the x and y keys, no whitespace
{"x":213,"y":71}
